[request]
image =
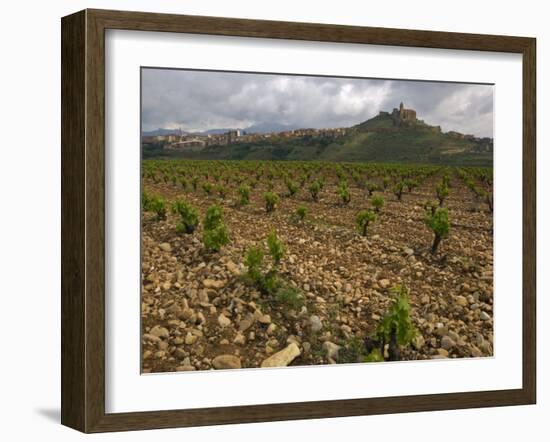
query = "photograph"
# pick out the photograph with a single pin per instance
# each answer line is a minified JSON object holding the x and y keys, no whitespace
{"x":302,"y":220}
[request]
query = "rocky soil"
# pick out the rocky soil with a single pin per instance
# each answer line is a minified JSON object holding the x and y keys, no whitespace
{"x":198,"y":312}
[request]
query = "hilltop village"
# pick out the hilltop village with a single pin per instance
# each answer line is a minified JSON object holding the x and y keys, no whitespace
{"x":396,"y":136}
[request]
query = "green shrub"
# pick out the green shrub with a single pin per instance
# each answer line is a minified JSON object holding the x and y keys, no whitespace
{"x":314,"y":189}
{"x":271,"y":199}
{"x":398,"y":190}
{"x":189,"y":217}
{"x":207,"y":187}
{"x":343,"y":192}
{"x":276,"y":248}
{"x":253,"y":261}
{"x":410,"y":184}
{"x":301,"y":212}
{"x":195,"y":182}
{"x":363,"y":218}
{"x":438,"y":221}
{"x":395,"y":329}
{"x":222,"y":191}
{"x":215,"y":233}
{"x":157,"y":204}
{"x":244,"y":193}
{"x":145,"y":201}
{"x":442,"y":191}
{"x":386,"y":182}
{"x":291,"y":297}
{"x":371,"y":188}
{"x":377,"y":202}
{"x":292,"y":187}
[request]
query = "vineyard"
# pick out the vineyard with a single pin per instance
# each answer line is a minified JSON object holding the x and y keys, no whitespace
{"x":276,"y":263}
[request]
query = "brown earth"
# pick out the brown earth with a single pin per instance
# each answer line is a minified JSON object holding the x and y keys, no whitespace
{"x":196,"y":305}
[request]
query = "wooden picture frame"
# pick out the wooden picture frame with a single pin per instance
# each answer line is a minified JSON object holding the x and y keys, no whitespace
{"x":83,"y":219}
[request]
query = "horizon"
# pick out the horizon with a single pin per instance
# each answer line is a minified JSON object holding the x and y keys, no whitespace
{"x":199,"y":101}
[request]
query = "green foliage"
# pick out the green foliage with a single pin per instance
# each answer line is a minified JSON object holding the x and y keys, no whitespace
{"x":189,"y":217}
{"x":442,"y":191}
{"x":290,"y":297}
{"x":253,"y":261}
{"x":271,"y":199}
{"x":292,"y":187}
{"x":145,"y":201}
{"x":386,"y":182}
{"x":343,"y":192}
{"x":195,"y":182}
{"x":314,"y":189}
{"x":371,"y":188}
{"x":301,"y":212}
{"x":374,"y":356}
{"x":398,"y":190}
{"x":157,"y":204}
{"x":352,"y":351}
{"x":275,"y":246}
{"x":410,"y":184}
{"x":377,"y":202}
{"x":215,"y":234}
{"x":207,"y":187}
{"x":438,"y":221}
{"x":363,"y":218}
{"x":222,"y":191}
{"x":396,"y":325}
{"x":244,"y":193}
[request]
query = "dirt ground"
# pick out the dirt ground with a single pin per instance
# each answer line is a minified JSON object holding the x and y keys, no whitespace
{"x":198,"y":312}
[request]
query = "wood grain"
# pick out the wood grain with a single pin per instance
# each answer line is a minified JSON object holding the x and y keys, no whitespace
{"x":83,"y":219}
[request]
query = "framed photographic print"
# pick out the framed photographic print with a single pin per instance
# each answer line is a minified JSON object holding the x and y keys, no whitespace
{"x":269,"y":220}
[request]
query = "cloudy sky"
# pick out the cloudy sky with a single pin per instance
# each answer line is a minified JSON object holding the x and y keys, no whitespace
{"x":202,"y":100}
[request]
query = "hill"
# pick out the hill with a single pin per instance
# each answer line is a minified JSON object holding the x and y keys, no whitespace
{"x":384,"y":138}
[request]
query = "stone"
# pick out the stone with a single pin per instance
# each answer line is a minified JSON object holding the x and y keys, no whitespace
{"x":384,"y":283}
{"x":165,"y":247}
{"x":150,"y":338}
{"x":418,"y":342}
{"x":425,"y":299}
{"x":461,"y":301}
{"x":239,"y":339}
{"x":185,"y":368}
{"x":485,"y":316}
{"x":447,"y":343}
{"x":190,"y":339}
{"x":213,"y":284}
{"x":223,"y":320}
{"x":159,"y":332}
{"x":408,"y":251}
{"x":180,"y":354}
{"x":282,"y":358}
{"x":331,"y":349}
{"x":442,"y":352}
{"x":233,"y":268}
{"x":262,"y":319}
{"x":225,"y":362}
{"x":271,"y":329}
{"x":315,"y":323}
{"x":245,"y":324}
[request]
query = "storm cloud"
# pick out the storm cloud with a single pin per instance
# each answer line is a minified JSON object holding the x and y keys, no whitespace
{"x":202,"y":100}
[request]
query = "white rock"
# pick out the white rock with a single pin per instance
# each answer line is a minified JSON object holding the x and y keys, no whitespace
{"x":283,"y":357}
{"x":159,"y":332}
{"x":165,"y":246}
{"x":332,"y":349}
{"x":223,"y":362}
{"x":315,"y":324}
{"x":223,"y":320}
